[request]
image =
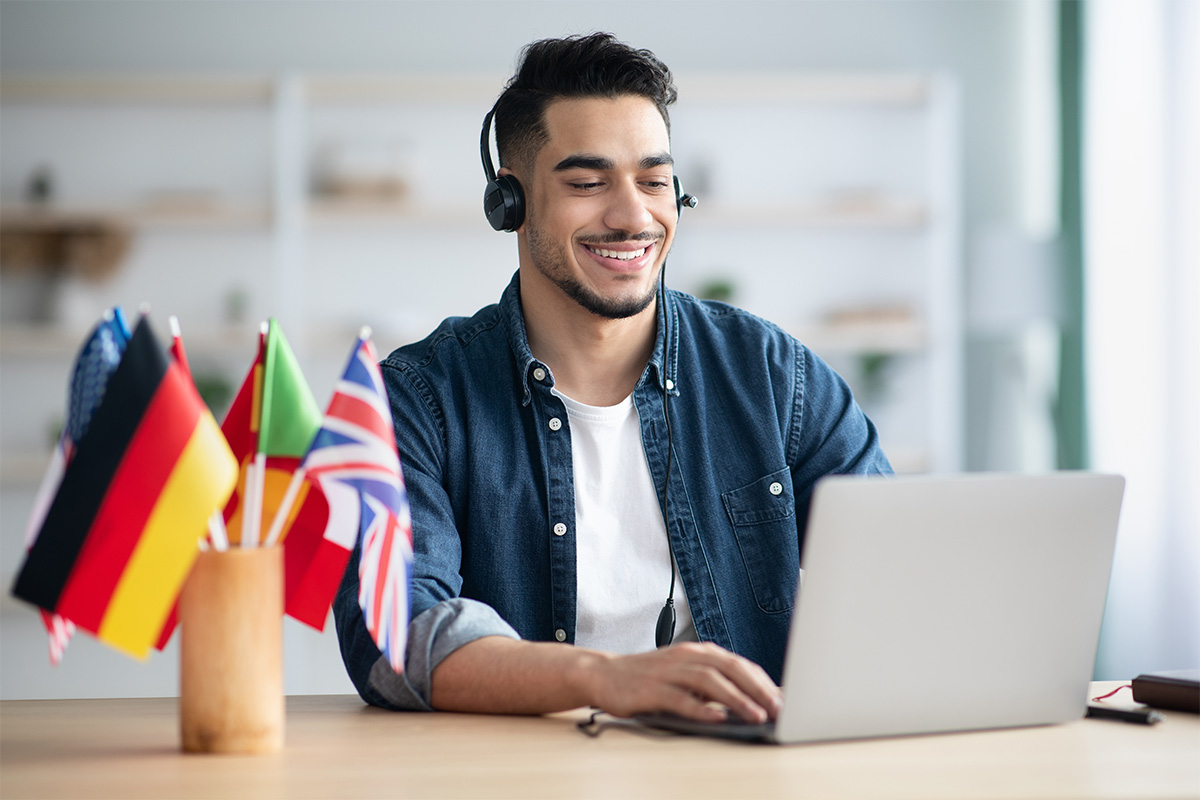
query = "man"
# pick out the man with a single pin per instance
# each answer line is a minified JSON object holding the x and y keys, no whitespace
{"x":550,"y":441}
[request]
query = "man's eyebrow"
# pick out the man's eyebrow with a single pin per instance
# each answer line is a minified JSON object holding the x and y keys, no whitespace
{"x":584,"y":162}
{"x":602,"y":163}
{"x":660,"y":160}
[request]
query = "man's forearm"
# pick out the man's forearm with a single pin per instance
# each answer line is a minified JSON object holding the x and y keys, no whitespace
{"x":498,"y":675}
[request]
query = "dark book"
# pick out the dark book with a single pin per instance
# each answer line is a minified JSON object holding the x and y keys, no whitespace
{"x":1178,"y":690}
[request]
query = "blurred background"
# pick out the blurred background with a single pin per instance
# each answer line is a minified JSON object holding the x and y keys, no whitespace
{"x":983,"y":214}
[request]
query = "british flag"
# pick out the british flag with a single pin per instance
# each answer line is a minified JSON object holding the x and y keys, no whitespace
{"x":356,"y":445}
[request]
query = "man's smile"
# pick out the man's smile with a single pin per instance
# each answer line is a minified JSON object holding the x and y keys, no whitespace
{"x":620,"y":255}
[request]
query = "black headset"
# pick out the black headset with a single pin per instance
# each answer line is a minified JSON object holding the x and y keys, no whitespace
{"x":504,"y":199}
{"x":504,"y":207}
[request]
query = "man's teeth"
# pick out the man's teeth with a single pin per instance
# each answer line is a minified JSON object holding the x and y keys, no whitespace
{"x":620,"y":255}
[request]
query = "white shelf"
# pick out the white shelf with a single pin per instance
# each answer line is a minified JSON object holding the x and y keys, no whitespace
{"x":189,"y":215}
{"x":253,"y":216}
{"x":124,"y":88}
{"x":885,"y":338}
{"x":330,"y":213}
{"x":51,"y":339}
{"x":39,"y":340}
{"x":837,"y":88}
{"x":884,"y":214}
{"x":396,"y":89}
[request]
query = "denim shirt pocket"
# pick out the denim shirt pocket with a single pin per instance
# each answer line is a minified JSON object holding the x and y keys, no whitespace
{"x":763,"y":514}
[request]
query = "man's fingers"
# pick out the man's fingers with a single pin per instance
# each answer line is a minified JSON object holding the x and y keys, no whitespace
{"x":710,"y":683}
{"x":734,"y":681}
{"x":685,"y":678}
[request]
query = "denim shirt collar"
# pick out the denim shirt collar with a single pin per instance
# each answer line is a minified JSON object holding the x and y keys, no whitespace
{"x":518,"y":340}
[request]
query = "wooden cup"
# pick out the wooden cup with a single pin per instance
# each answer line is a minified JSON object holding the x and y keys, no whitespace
{"x":231,"y":659}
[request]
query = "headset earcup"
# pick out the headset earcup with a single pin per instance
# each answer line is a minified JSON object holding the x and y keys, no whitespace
{"x":504,"y":203}
{"x":678,"y":196}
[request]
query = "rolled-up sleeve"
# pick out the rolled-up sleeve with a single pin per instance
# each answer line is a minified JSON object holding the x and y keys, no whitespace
{"x":432,"y":636}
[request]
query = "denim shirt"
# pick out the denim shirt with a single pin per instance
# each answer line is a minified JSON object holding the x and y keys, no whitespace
{"x":756,"y":419}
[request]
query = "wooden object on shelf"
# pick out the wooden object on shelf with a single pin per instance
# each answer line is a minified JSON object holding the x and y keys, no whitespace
{"x":231,"y":658}
{"x":41,"y":238}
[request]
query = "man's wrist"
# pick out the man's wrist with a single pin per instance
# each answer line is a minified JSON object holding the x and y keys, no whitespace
{"x":585,"y":675}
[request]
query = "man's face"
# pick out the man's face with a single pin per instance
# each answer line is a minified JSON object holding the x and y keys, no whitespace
{"x":601,"y":207}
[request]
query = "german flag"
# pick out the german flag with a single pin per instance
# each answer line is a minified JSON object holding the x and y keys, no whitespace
{"x":122,"y":531}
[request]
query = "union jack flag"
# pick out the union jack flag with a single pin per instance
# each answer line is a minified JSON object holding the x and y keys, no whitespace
{"x":356,"y":445}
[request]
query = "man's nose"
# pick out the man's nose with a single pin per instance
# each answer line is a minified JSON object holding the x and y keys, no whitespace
{"x":628,"y":208}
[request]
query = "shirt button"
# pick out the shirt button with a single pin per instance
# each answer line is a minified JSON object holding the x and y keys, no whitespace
{"x":539,"y":374}
{"x":670,"y":384}
{"x":559,"y":529}
{"x":561,"y":635}
{"x":555,"y":423}
{"x":776,"y":488}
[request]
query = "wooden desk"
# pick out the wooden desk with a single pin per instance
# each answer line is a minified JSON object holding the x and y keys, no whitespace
{"x":337,"y":747}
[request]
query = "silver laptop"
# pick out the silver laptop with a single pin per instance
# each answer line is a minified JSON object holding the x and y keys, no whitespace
{"x":944,"y":604}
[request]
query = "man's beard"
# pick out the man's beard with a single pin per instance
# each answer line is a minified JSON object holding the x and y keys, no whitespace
{"x":552,"y":261}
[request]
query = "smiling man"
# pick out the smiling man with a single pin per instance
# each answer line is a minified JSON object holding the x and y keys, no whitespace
{"x":598,"y":465}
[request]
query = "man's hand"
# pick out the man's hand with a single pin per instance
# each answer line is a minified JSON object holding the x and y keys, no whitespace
{"x":499,"y":675}
{"x":684,"y":679}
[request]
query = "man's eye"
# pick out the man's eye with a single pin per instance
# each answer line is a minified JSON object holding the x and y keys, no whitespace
{"x":585,"y":186}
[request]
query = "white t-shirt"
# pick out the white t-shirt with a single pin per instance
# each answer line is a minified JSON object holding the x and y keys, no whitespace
{"x":622,"y":560}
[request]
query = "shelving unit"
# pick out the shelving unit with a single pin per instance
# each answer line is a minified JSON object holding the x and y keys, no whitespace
{"x":854,"y":176}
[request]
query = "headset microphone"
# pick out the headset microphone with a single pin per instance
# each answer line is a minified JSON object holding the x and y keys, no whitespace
{"x":682,"y":199}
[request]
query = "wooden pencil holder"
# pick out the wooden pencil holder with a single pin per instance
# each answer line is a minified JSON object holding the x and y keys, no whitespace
{"x":231,"y":659}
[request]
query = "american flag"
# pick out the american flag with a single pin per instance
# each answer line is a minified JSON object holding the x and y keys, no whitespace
{"x":357,"y":446}
{"x":95,"y":364}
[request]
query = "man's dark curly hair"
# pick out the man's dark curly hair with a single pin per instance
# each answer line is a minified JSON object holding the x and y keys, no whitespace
{"x":596,"y":65}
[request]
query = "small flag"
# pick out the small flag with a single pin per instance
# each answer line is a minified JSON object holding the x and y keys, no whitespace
{"x":290,"y":416}
{"x":95,"y":364}
{"x":240,"y":428}
{"x":269,"y":427}
{"x":356,"y":446}
{"x":120,"y":535}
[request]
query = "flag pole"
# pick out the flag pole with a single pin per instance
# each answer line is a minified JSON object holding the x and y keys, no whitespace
{"x":255,"y":475}
{"x":216,"y":523}
{"x":285,"y":507}
{"x":217,"y":532}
